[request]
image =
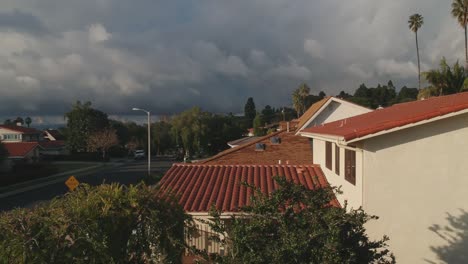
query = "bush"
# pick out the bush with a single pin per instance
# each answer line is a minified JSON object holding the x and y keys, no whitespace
{"x":104,"y":224}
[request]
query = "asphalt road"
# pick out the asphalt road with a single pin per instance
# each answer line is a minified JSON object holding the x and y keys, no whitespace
{"x":128,"y":173}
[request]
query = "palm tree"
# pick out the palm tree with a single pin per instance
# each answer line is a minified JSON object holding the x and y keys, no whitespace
{"x":460,"y":12}
{"x":28,"y":121}
{"x":415,"y":23}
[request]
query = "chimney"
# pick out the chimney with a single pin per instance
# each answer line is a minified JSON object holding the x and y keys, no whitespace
{"x":287,"y":127}
{"x":279,"y":162}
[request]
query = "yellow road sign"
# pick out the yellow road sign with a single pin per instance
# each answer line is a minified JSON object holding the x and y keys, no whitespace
{"x":72,"y":183}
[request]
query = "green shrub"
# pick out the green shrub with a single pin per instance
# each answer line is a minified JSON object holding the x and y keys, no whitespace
{"x":104,"y":224}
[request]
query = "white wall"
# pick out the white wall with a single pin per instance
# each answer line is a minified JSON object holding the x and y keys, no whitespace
{"x":337,"y":111}
{"x":351,"y":193}
{"x":415,"y":179}
{"x":7,"y":131}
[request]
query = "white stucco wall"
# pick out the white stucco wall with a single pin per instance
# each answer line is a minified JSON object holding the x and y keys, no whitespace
{"x":413,"y":180}
{"x":9,"y":132}
{"x":336,"y":111}
{"x":351,"y":193}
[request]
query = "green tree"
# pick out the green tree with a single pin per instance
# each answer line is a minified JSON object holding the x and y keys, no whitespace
{"x":298,"y":225}
{"x":258,"y":125}
{"x":19,"y":120}
{"x":249,"y":109}
{"x":162,"y":136}
{"x":460,"y":12}
{"x":189,"y":127}
{"x":415,"y":23}
{"x":446,"y":79}
{"x":28,"y":121}
{"x":268,"y":114}
{"x":407,"y":94}
{"x":8,"y":122}
{"x":3,"y":152}
{"x":104,"y":224}
{"x":82,"y":121}
{"x":299,"y":97}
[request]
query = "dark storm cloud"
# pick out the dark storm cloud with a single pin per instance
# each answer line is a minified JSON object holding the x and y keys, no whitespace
{"x":22,"y":22}
{"x":171,"y":55}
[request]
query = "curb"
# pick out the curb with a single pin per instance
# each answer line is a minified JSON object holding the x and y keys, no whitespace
{"x":60,"y":177}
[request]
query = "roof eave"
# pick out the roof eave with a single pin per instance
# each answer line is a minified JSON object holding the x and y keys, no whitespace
{"x":426,"y":121}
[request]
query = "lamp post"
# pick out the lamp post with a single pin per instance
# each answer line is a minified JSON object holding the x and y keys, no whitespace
{"x":149,"y":137}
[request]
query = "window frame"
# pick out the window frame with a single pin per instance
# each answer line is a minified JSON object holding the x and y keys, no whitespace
{"x":350,"y":166}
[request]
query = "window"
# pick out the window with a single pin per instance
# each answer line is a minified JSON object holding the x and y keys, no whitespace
{"x":328,"y":155}
{"x":260,"y":147}
{"x":350,"y":166}
{"x":275,"y":140}
{"x":337,"y":160}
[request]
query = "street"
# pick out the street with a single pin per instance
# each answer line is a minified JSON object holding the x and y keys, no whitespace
{"x":128,"y":173}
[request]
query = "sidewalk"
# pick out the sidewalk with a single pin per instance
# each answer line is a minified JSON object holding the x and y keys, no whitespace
{"x":59,"y":177}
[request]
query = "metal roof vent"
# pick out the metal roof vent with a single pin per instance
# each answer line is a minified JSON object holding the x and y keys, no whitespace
{"x":260,"y":147}
{"x":275,"y":140}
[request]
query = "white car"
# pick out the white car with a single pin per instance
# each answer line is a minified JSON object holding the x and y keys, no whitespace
{"x":139,"y":154}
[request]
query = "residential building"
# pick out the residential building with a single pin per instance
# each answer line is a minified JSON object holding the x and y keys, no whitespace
{"x":11,"y":133}
{"x":407,"y":165}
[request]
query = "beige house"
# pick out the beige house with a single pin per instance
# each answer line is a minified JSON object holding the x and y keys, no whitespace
{"x":407,"y":165}
{"x":11,"y":133}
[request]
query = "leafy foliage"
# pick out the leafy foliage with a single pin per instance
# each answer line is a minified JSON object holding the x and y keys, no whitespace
{"x":299,"y":98}
{"x":249,"y":109}
{"x":103,"y":140}
{"x":82,"y":121}
{"x":446,"y":79}
{"x":105,"y":224}
{"x":258,"y":127}
{"x":298,"y":225}
{"x":3,"y":152}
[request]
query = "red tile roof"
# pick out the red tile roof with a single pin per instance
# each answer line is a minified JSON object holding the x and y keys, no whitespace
{"x":392,"y":117}
{"x":201,"y":186}
{"x":52,"y":144}
{"x":20,"y":149}
{"x":24,"y":130}
{"x":293,"y":150}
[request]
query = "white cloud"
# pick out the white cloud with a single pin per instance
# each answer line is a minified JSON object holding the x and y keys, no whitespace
{"x":98,"y":33}
{"x":232,"y":65}
{"x":396,"y":68}
{"x":313,"y":48}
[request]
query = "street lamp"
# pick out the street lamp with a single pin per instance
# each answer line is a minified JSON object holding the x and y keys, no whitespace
{"x":149,"y":137}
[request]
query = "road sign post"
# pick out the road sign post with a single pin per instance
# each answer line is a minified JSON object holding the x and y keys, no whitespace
{"x":72,"y":183}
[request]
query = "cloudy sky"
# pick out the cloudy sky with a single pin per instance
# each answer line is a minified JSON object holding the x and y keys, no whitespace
{"x":170,"y":55}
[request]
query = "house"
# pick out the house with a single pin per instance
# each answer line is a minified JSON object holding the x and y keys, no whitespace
{"x":407,"y":165}
{"x":11,"y":133}
{"x":327,"y":110}
{"x":280,"y":147}
{"x":216,"y":180}
{"x":201,"y":187}
{"x":52,"y":135}
{"x":27,"y":152}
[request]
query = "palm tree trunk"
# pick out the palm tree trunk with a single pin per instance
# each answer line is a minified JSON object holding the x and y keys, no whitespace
{"x":466,"y":50}
{"x":419,"y":65}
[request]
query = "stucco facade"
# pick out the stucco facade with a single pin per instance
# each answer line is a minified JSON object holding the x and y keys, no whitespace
{"x":335,"y":109}
{"x":416,"y":180}
{"x":352,"y":194}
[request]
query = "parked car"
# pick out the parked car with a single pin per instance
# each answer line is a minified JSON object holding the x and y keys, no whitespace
{"x":139,"y":154}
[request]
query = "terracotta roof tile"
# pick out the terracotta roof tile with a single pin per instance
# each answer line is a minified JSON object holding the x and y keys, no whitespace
{"x":25,"y":130}
{"x":20,"y":149}
{"x":201,"y":186}
{"x":292,"y":150}
{"x":392,"y":117}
